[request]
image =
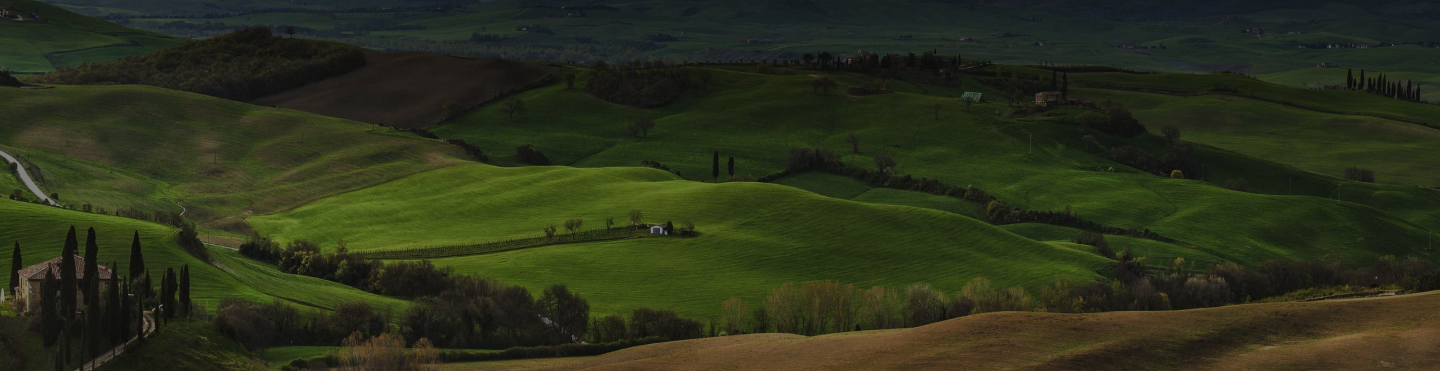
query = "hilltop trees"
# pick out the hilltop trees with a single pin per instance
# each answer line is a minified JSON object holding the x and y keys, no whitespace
{"x":242,"y":65}
{"x":643,"y":84}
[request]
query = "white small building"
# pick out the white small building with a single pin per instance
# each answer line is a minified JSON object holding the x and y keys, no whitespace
{"x":659,"y":230}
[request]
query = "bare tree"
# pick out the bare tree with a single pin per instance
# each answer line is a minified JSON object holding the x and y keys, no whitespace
{"x":735,"y":312}
{"x":609,"y":222}
{"x":642,"y":127}
{"x":884,"y":163}
{"x":550,"y":232}
{"x":572,"y":225}
{"x":1171,"y":133}
{"x":635,"y":218}
{"x":854,"y":143}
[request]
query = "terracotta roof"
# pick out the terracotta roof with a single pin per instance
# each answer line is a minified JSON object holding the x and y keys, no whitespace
{"x":37,"y":272}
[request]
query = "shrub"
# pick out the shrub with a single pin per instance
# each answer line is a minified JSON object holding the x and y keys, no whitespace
{"x":7,"y":80}
{"x":1097,"y":240}
{"x":1360,"y":175}
{"x":1238,"y":184}
{"x":529,"y":155}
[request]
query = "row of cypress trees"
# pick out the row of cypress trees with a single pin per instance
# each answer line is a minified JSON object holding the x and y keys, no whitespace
{"x":1382,"y":86}
{"x":111,"y":321}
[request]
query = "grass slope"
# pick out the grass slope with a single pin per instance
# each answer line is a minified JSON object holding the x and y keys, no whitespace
{"x":63,"y":39}
{"x":755,"y":118}
{"x":1391,"y":333}
{"x":158,"y":149}
{"x":754,"y":236}
{"x":40,"y":230}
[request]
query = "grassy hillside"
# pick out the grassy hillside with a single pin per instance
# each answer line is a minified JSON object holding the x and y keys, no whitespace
{"x":61,"y":38}
{"x":1397,"y":333}
{"x":753,"y":236}
{"x":157,"y":149}
{"x":755,"y":118}
{"x":40,"y":230}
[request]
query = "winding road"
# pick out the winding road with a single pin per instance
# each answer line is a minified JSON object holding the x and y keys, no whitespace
{"x":29,"y":183}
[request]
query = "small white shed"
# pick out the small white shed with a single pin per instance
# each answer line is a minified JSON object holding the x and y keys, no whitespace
{"x":658,"y":230}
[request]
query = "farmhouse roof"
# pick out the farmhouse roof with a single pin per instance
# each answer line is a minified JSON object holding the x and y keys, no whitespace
{"x":37,"y":272}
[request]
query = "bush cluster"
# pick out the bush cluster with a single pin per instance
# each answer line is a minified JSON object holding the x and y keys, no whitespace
{"x":242,"y":65}
{"x":643,"y":84}
{"x":530,"y":155}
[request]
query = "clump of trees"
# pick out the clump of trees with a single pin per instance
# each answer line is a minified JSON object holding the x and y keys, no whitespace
{"x":1178,"y":156}
{"x":7,"y":80}
{"x":1115,"y":120}
{"x":643,"y":84}
{"x":1360,"y":175}
{"x":530,"y":155}
{"x":241,"y":65}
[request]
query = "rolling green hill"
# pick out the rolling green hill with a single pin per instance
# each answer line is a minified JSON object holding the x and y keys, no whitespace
{"x":753,"y":236}
{"x":161,"y":150}
{"x":60,"y":38}
{"x":755,"y":118}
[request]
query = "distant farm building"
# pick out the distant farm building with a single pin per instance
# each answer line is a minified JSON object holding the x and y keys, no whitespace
{"x":659,"y":230}
{"x":971,"y":96}
{"x":1048,"y":98}
{"x":34,"y":276}
{"x":1056,"y":99}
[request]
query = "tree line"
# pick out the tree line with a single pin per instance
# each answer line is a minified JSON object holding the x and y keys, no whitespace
{"x":646,"y":84}
{"x":823,"y":307}
{"x":448,"y":310}
{"x":241,"y":65}
{"x":1382,"y":86}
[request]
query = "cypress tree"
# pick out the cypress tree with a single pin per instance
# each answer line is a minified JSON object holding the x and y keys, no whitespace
{"x":113,"y":317}
{"x":715,"y":166}
{"x":50,"y":321}
{"x":123,"y":316}
{"x":731,"y":166}
{"x":1065,"y":88}
{"x":1054,"y":80}
{"x":67,"y":277}
{"x":1349,"y":79}
{"x":185,"y":291}
{"x":169,"y":293}
{"x":137,"y":260}
{"x":1362,"y":81}
{"x":92,"y":270}
{"x":59,"y":361}
{"x":14,"y":268}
